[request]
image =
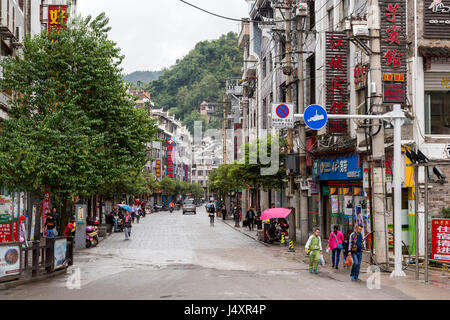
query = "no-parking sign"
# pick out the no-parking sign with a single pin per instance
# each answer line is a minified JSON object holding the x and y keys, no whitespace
{"x":282,"y":116}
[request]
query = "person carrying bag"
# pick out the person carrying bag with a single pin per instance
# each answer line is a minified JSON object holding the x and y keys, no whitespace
{"x":335,"y":243}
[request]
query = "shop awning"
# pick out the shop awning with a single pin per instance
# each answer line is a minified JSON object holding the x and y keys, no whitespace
{"x":429,"y":52}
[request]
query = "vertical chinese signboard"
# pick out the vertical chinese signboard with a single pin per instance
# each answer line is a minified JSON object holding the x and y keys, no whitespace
{"x":437,"y":19}
{"x":440,"y":239}
{"x":337,"y":80}
{"x":170,"y":157}
{"x":57,"y":17}
{"x":393,"y":50}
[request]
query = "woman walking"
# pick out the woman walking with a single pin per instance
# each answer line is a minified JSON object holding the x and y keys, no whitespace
{"x":336,"y":244}
{"x":127,"y":226}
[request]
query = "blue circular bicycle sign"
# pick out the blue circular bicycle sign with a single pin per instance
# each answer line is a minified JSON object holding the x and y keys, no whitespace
{"x":316,"y":117}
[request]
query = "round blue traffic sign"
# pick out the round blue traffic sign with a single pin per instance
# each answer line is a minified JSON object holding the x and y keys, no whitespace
{"x":283,"y":111}
{"x":316,"y":117}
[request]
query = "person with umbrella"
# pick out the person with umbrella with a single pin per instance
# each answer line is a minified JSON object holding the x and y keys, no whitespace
{"x":127,"y":226}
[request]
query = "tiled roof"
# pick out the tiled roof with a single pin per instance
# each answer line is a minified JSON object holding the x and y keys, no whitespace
{"x":443,"y":52}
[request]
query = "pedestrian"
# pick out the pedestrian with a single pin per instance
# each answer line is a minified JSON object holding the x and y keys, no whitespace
{"x":336,"y":244}
{"x":127,"y":226}
{"x":314,"y":245}
{"x":250,"y":216}
{"x":138,"y":215}
{"x":50,"y":225}
{"x":69,"y":231}
{"x":133,"y":216}
{"x":224,"y":212}
{"x":355,"y":247}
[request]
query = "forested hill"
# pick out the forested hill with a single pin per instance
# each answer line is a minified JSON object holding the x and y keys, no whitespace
{"x":142,"y":76}
{"x":197,"y":77}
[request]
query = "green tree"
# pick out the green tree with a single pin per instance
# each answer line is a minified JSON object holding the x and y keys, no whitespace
{"x":72,"y":126}
{"x":168,"y":186}
{"x":196,"y":190}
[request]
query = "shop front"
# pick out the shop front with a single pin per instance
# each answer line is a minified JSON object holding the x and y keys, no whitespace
{"x":342,"y":198}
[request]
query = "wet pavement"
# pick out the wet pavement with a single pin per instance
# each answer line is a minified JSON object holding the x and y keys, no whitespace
{"x":171,"y":256}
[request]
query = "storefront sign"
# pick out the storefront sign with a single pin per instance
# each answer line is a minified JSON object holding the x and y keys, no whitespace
{"x":6,"y":230}
{"x":6,"y":208}
{"x":9,"y":260}
{"x":336,"y":80}
{"x":445,"y":82}
{"x":57,"y":17}
{"x":313,"y":187}
{"x":393,"y":50}
{"x":360,"y":74}
{"x":437,"y":19}
{"x":440,"y":239}
{"x":186,"y":173}
{"x":340,"y":168}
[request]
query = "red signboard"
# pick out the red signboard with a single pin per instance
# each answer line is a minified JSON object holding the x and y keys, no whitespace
{"x":440,"y":239}
{"x":393,"y":50}
{"x":57,"y":17}
{"x":336,"y":78}
{"x":5,"y":232}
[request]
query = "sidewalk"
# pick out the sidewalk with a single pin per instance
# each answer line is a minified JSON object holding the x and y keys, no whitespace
{"x":437,"y":288}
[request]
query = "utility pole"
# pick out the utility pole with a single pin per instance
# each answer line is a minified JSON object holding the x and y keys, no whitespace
{"x":378,"y":152}
{"x":290,"y":138}
{"x":302,"y":200}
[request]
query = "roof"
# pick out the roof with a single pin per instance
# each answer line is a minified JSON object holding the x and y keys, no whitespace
{"x":426,"y":51}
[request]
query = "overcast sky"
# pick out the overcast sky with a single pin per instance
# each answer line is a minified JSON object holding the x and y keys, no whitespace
{"x":155,"y":33}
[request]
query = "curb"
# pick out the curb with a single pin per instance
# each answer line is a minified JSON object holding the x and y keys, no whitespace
{"x":253,"y":238}
{"x":16,"y":283}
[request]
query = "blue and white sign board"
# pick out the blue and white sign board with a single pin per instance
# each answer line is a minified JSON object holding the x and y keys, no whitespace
{"x":283,"y":116}
{"x":339,"y":168}
{"x":316,"y":117}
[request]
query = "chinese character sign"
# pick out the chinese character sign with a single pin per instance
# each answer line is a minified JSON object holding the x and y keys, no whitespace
{"x":436,"y":19}
{"x":440,"y":239}
{"x":393,"y":50}
{"x":57,"y":17}
{"x":337,"y":80}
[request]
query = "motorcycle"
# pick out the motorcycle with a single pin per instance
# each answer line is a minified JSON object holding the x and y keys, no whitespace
{"x":157,"y":208}
{"x":276,"y":230}
{"x":91,"y":236}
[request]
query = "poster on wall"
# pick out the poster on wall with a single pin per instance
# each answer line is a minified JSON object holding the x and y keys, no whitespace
{"x":348,"y":207}
{"x":9,"y":261}
{"x":334,"y":204}
{"x":60,"y":253}
{"x":6,"y":208}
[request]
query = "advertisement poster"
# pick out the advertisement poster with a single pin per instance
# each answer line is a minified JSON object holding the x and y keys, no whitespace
{"x":334,"y":204}
{"x":5,"y":232}
{"x":9,"y":261}
{"x":348,"y":207}
{"x":6,"y":208}
{"x":33,"y":222}
{"x":440,"y":239}
{"x":60,"y":253}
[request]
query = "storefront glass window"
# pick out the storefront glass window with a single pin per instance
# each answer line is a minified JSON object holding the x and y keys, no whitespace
{"x":437,"y":112}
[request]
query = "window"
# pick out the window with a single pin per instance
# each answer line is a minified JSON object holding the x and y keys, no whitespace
{"x":437,"y":112}
{"x":312,"y":14}
{"x":330,"y":20}
{"x":264,"y":68}
{"x":264,"y":112}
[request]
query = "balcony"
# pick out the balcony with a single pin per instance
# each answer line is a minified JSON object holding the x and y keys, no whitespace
{"x":235,"y":87}
{"x":11,"y":18}
{"x":244,"y":36}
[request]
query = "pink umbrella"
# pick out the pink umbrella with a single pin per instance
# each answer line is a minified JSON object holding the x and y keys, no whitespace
{"x":275,"y":213}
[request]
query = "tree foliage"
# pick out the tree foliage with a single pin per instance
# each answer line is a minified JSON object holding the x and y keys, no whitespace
{"x":72,"y":126}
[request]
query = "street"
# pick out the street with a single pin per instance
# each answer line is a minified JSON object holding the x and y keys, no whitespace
{"x":171,"y":256}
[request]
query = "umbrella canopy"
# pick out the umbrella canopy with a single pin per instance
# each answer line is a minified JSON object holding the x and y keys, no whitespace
{"x":275,"y":213}
{"x":125,"y":207}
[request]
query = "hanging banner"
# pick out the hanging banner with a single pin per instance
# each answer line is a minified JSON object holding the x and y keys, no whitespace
{"x":348,"y":207}
{"x":170,"y":157}
{"x":334,"y":204}
{"x":336,"y":80}
{"x":393,"y":50}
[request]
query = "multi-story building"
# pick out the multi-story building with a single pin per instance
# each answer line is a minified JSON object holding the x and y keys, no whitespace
{"x":335,"y":41}
{"x":209,"y":110}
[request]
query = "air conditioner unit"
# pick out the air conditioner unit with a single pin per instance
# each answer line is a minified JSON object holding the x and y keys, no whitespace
{"x":360,"y":29}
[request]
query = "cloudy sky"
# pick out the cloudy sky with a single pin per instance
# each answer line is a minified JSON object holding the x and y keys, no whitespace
{"x":155,"y":33}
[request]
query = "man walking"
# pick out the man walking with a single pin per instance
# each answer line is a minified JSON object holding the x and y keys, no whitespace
{"x":211,"y":212}
{"x":250,"y":216}
{"x":50,"y":224}
{"x":314,"y":246}
{"x":127,"y":225}
{"x":355,"y":247}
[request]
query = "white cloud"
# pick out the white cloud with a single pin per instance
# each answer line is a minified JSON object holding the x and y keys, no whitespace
{"x":155,"y":33}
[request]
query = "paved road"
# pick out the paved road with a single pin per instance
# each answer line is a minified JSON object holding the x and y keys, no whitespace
{"x":172,"y":256}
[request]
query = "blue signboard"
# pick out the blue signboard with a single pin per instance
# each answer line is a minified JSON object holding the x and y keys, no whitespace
{"x":315,"y":117}
{"x":339,"y":168}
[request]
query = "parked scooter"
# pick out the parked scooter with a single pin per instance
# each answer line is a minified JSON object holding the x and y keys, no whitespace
{"x":91,"y":237}
{"x":276,"y":230}
{"x":157,"y":208}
